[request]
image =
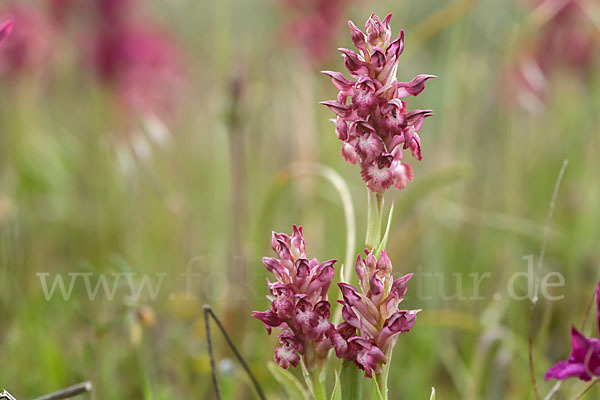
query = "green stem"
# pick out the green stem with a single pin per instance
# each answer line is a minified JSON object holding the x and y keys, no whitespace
{"x":374,"y":217}
{"x":318,"y":389}
{"x":381,"y":379}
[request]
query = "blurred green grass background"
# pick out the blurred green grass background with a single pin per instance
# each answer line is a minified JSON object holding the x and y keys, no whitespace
{"x":78,"y":195}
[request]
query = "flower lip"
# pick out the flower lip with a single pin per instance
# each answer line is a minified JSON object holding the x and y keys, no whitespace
{"x":286,"y":355}
{"x":368,"y":356}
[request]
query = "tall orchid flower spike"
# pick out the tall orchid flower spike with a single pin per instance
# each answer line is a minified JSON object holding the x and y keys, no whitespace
{"x":5,"y":29}
{"x":373,"y":311}
{"x":299,"y":305}
{"x":584,"y":361}
{"x":372,"y":119}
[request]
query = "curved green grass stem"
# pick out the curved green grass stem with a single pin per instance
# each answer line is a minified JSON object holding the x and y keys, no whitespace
{"x":340,"y":185}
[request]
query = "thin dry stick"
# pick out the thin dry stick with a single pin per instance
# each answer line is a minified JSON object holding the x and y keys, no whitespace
{"x":209,"y":312}
{"x":213,"y":367}
{"x":69,"y":392}
{"x":534,"y":300}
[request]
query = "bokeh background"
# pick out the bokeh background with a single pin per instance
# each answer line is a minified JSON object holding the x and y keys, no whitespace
{"x":163,"y":136}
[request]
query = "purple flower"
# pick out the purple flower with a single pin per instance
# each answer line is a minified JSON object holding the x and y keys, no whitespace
{"x":372,"y":120}
{"x":299,"y":305}
{"x":584,"y":361}
{"x":372,"y":310}
{"x":142,"y":65}
{"x":368,"y":356}
{"x":313,"y":25}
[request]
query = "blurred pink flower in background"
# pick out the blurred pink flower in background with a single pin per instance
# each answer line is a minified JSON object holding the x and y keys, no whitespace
{"x":139,"y":60}
{"x":5,"y":29}
{"x":313,"y":25}
{"x":568,"y":41}
{"x":30,"y":47}
{"x":141,"y":64}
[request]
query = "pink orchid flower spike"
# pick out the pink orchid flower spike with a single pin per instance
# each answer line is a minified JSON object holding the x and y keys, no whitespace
{"x":372,"y":119}
{"x":372,"y":310}
{"x":299,"y":305}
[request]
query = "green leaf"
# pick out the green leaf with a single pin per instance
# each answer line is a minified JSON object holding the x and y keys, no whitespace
{"x":337,"y":389}
{"x":375,"y":391}
{"x":351,"y":379}
{"x":432,"y":397}
{"x":290,"y":383}
{"x":386,"y":236}
{"x":374,"y":214}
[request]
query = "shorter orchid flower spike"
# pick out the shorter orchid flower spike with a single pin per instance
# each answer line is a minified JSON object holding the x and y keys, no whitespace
{"x":5,"y":29}
{"x":373,"y":311}
{"x":299,"y":305}
{"x":584,"y":361}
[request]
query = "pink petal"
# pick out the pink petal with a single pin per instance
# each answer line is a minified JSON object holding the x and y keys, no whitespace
{"x":377,"y":178}
{"x":414,"y":87}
